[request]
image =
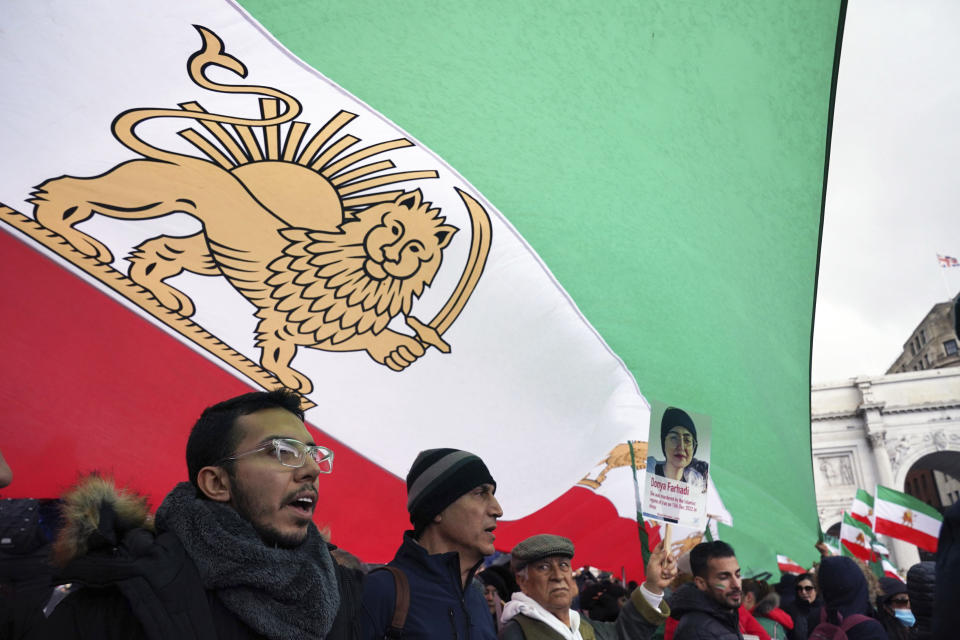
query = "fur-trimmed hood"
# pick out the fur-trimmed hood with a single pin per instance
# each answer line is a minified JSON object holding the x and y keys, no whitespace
{"x":767,"y":604}
{"x":96,"y":514}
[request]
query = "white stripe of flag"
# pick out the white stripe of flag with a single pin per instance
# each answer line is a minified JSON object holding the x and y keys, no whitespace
{"x":862,"y":508}
{"x":889,"y":570}
{"x":902,"y":516}
{"x":879,"y":548}
{"x":855,"y":538}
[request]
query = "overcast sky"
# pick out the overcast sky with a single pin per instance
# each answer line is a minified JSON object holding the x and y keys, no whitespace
{"x":894,"y":185}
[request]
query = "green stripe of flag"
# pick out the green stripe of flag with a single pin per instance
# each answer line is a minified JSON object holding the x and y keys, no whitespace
{"x":859,"y":525}
{"x":666,"y":163}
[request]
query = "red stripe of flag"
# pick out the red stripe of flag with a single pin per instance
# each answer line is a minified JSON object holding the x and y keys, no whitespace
{"x":860,"y":552}
{"x":80,"y":403}
{"x":860,"y":518}
{"x":907,"y":534}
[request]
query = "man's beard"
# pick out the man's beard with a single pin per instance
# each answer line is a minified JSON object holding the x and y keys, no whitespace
{"x":269,"y":535}
{"x":726,"y":604}
{"x":721,"y":600}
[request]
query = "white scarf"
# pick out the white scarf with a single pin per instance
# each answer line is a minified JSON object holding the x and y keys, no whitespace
{"x":521,"y":603}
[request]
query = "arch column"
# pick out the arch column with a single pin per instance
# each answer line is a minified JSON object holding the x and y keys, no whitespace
{"x":904,"y":555}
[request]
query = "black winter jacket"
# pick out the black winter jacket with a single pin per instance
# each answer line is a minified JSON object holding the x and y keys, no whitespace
{"x":806,"y":616}
{"x":702,"y":618}
{"x":947,"y":590}
{"x":921,"y":579}
{"x":136,"y":584}
{"x":440,"y":607}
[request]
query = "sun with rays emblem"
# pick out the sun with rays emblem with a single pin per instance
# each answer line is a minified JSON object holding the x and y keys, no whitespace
{"x":299,"y":223}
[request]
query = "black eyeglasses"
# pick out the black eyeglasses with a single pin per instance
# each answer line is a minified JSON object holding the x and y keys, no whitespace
{"x":805,"y":589}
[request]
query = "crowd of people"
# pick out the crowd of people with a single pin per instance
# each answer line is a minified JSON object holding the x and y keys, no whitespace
{"x":233,"y":553}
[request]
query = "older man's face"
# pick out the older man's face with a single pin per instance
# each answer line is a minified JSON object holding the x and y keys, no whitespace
{"x":550,"y":583}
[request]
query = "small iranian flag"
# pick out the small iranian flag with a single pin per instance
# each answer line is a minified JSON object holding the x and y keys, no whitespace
{"x":786,"y":565}
{"x":889,"y":570}
{"x":855,"y":539}
{"x":833,"y":544}
{"x":902,"y":516}
{"x":862,"y":508}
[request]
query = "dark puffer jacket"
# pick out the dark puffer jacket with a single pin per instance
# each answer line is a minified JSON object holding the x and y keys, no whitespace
{"x":701,"y":617}
{"x":845,"y":593}
{"x":440,"y":607}
{"x":921,"y":579}
{"x":137,"y":583}
{"x":805,"y":615}
{"x":947,"y":589}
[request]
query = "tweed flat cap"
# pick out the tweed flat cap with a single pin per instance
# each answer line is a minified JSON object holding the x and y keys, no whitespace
{"x":539,"y":546}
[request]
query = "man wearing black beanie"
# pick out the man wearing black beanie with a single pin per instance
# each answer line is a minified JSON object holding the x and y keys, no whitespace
{"x":450,"y":498}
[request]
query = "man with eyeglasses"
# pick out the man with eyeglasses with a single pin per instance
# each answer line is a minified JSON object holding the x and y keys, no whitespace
{"x":541,"y":611}
{"x":234,"y":552}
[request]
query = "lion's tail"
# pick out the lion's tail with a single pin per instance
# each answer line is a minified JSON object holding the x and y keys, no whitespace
{"x":211,"y":54}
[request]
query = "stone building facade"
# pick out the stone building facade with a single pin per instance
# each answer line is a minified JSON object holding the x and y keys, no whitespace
{"x":875,"y":430}
{"x":933,"y":344}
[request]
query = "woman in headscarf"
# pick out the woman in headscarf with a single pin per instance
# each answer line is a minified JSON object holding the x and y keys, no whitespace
{"x":678,"y":441}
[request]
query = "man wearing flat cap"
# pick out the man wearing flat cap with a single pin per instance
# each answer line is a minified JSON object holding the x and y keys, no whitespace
{"x":450,"y":497}
{"x":543,"y":566}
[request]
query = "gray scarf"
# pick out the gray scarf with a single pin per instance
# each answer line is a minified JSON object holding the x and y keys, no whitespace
{"x":280,"y":593}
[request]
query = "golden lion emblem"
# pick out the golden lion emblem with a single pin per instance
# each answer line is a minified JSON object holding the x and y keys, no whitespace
{"x":300,"y":232}
{"x":619,"y":456}
{"x":907,"y":518}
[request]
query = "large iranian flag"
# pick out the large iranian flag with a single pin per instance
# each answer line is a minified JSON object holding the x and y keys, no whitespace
{"x":862,"y":508}
{"x":610,"y":205}
{"x":906,"y":518}
{"x":855,"y":539}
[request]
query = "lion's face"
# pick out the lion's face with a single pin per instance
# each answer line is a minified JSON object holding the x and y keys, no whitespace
{"x":408,"y":239}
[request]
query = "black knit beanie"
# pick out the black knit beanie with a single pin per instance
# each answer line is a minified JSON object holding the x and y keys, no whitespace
{"x":674,"y":417}
{"x":438,"y":477}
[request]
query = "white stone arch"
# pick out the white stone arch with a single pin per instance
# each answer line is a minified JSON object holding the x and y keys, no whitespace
{"x":930,"y":445}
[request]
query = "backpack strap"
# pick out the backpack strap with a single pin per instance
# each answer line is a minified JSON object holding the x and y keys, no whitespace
{"x":401,"y":603}
{"x":853,"y":621}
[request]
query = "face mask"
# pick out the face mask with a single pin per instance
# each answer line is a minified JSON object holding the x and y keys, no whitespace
{"x":905,"y":616}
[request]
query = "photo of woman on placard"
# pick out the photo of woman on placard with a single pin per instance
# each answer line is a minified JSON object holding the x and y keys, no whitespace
{"x":678,"y":441}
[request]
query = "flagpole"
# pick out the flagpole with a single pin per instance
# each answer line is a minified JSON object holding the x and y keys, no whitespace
{"x":943,"y":279}
{"x":641,"y":526}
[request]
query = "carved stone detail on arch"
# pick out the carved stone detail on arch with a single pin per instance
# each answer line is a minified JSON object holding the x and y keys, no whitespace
{"x":916,"y":447}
